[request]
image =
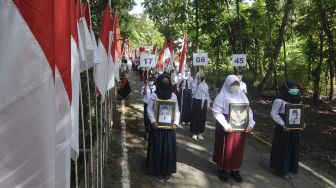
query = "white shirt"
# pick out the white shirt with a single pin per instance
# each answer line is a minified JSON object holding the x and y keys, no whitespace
{"x":186,"y":80}
{"x":201,"y":91}
{"x":150,"y":108}
{"x":278,"y":107}
{"x":146,"y":94}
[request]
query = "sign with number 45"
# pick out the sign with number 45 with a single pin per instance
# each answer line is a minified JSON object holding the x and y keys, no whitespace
{"x":147,"y":60}
{"x":200,"y":59}
{"x":239,"y":60}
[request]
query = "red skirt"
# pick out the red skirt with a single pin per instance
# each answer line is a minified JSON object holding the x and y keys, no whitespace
{"x":228,"y":149}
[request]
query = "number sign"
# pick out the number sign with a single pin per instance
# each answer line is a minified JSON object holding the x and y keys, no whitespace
{"x":200,"y":59}
{"x":147,"y":60}
{"x":239,"y":60}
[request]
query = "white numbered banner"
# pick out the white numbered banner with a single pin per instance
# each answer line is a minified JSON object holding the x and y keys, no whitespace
{"x":239,"y":60}
{"x":200,"y":59}
{"x":147,"y":60}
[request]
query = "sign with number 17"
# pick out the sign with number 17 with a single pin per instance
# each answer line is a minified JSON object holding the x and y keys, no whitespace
{"x":239,"y":60}
{"x":147,"y":60}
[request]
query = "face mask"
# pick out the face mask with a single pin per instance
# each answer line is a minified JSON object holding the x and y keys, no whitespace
{"x":234,"y":89}
{"x":202,"y":79}
{"x":150,"y":83}
{"x":240,"y":77}
{"x":165,"y":85}
{"x":293,"y":91}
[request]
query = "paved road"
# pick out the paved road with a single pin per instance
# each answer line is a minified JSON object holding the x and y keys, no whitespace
{"x":194,"y":165}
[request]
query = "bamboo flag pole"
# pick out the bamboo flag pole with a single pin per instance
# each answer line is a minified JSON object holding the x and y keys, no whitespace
{"x":96,"y":109}
{"x":76,"y":172}
{"x":83,"y":133}
{"x":89,"y":99}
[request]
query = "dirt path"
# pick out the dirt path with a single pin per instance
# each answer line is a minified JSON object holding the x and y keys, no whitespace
{"x":194,"y":165}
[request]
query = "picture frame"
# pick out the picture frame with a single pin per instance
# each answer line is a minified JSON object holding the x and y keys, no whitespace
{"x":165,"y":113}
{"x":294,"y":116}
{"x":239,"y":116}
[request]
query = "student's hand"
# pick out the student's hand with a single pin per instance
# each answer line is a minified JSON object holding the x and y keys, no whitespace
{"x":285,"y":129}
{"x":230,"y":130}
{"x":248,"y":129}
{"x":155,"y":125}
{"x":174,"y":126}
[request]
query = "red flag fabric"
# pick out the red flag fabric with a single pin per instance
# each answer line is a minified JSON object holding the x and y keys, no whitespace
{"x":184,"y":53}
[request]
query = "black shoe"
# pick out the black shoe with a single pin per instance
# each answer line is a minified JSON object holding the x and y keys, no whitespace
{"x":167,"y":178}
{"x":236,"y":176}
{"x":223,"y":175}
{"x":160,"y":178}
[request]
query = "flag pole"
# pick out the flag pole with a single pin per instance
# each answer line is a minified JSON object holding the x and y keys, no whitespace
{"x":89,"y":100}
{"x":83,"y":133}
{"x":76,"y":172}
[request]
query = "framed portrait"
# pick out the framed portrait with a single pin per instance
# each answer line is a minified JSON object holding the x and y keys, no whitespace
{"x":239,"y":116}
{"x":294,"y":116}
{"x":165,"y":113}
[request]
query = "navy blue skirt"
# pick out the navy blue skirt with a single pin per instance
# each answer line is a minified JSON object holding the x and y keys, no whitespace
{"x":186,"y":105}
{"x":161,"y":152}
{"x":285,"y":150}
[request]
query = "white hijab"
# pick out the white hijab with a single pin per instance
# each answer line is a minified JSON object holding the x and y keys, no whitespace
{"x":229,"y":97}
{"x":202,"y":87}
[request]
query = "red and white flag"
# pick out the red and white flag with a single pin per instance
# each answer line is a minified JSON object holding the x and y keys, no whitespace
{"x":116,"y":48}
{"x":154,"y":49}
{"x":166,"y":51}
{"x":63,"y":91}
{"x":104,"y":74}
{"x":183,"y":55}
{"x":88,"y":44}
{"x":75,"y":78}
{"x":27,"y":107}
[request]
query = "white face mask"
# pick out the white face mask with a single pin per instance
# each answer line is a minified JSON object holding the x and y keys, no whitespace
{"x":151,"y":83}
{"x":234,"y":89}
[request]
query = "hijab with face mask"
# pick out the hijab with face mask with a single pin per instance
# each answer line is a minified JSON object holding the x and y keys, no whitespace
{"x":288,"y":94}
{"x":163,"y":90}
{"x":231,"y":93}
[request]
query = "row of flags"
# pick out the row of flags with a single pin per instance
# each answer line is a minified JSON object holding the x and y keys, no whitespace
{"x":44,"y":46}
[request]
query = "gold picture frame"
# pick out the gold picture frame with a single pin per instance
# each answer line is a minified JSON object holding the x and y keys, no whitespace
{"x":294,"y":116}
{"x":165,"y":113}
{"x":239,"y":116}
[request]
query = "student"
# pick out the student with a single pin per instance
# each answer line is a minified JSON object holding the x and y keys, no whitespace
{"x":185,"y":91}
{"x":229,"y":145}
{"x":146,"y":91}
{"x":239,"y":74}
{"x":200,"y":102}
{"x":161,"y":151}
{"x":285,"y":146}
{"x":125,"y":88}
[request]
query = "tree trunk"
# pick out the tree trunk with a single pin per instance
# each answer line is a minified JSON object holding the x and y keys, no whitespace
{"x":284,"y":51}
{"x":277,"y":46}
{"x":327,"y":30}
{"x":240,"y":27}
{"x":317,"y":72}
{"x":197,"y":28}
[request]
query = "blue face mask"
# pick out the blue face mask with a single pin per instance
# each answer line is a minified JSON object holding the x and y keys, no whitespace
{"x":293,"y":91}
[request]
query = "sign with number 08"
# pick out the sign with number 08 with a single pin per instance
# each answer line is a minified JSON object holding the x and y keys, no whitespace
{"x":200,"y":59}
{"x":147,"y":60}
{"x":239,"y":60}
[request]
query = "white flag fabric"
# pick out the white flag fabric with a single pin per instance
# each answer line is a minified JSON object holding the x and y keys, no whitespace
{"x":27,"y":122}
{"x":166,"y":54}
{"x":86,"y":45}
